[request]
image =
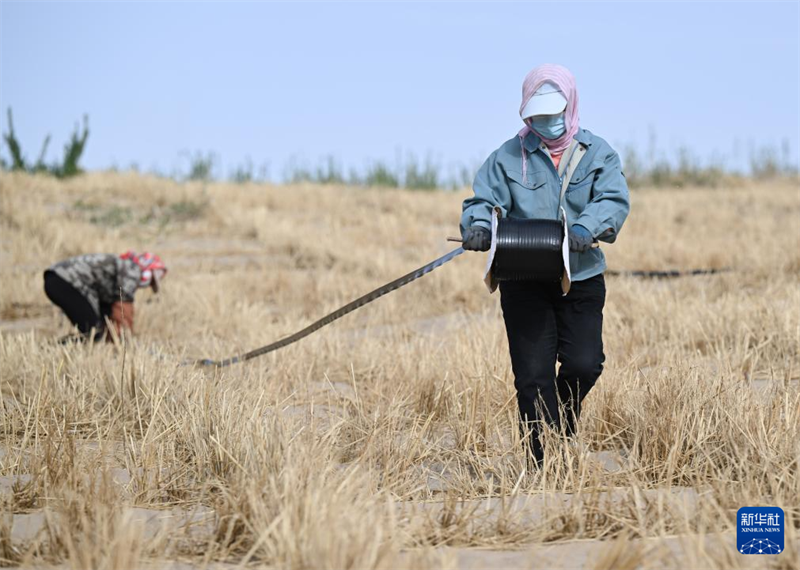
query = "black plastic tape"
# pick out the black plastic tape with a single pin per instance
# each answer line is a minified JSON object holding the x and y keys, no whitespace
{"x":337,"y":314}
{"x":528,"y":250}
{"x":669,"y":274}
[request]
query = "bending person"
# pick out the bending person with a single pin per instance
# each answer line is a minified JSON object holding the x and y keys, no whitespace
{"x":90,"y":288}
{"x":524,"y":178}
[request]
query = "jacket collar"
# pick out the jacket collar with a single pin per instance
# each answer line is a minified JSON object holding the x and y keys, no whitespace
{"x":584,"y":137}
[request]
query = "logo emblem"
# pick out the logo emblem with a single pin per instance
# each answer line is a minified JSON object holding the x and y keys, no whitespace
{"x":759,"y":530}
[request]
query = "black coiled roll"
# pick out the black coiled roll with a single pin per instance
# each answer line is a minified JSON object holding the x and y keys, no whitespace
{"x":528,"y":250}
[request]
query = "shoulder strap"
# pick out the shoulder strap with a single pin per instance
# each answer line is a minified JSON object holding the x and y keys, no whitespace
{"x":576,"y":151}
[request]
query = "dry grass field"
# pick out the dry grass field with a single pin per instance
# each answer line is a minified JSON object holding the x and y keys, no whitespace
{"x":388,"y":439}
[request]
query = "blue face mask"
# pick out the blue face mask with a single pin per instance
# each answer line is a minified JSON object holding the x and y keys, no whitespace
{"x":549,"y":126}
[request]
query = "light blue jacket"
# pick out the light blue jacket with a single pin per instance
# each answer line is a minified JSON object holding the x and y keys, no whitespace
{"x":597,"y":197}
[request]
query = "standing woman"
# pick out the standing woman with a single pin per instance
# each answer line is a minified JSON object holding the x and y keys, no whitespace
{"x":552,"y":163}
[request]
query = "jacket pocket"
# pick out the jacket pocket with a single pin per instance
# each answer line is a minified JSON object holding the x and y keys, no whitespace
{"x":535,"y":180}
{"x":579,"y":191}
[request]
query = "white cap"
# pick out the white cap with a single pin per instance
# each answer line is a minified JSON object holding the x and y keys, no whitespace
{"x":547,"y":100}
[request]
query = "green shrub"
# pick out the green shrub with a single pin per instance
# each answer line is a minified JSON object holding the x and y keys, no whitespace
{"x":73,"y":151}
{"x":112,"y":216}
{"x":378,"y":174}
{"x":421,"y":177}
{"x":185,"y":210}
{"x":243,"y":173}
{"x":201,"y":167}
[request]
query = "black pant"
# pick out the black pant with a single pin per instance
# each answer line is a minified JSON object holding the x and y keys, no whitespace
{"x":544,"y":326}
{"x":77,"y":308}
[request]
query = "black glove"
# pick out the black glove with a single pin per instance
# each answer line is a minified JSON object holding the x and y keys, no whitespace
{"x":476,"y":238}
{"x":580,"y":239}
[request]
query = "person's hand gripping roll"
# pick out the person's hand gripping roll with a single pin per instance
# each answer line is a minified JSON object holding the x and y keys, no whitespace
{"x":476,"y":238}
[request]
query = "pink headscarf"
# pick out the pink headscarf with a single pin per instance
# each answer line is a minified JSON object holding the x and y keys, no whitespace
{"x":562,"y":78}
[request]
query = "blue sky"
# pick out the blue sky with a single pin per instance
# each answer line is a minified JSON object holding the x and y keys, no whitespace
{"x":276,"y":81}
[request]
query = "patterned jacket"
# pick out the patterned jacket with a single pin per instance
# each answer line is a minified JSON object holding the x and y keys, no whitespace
{"x":102,"y":278}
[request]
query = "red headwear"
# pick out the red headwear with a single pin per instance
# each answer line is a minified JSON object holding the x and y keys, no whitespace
{"x":153,"y":268}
